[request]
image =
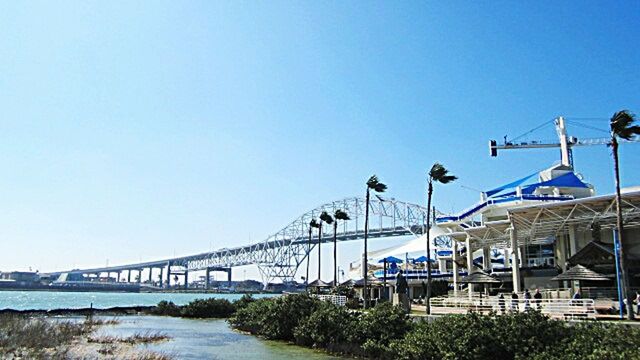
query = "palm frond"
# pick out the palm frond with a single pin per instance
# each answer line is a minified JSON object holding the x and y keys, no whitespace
{"x":375,"y":184}
{"x":622,"y":125}
{"x":326,"y":217}
{"x":341,"y":215}
{"x":314,"y":224}
{"x":439,"y":174}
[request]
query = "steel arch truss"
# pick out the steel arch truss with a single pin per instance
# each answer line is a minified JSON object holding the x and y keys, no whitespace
{"x":280,"y":255}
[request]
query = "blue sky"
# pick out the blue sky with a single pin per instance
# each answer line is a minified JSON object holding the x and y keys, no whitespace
{"x":135,"y":131}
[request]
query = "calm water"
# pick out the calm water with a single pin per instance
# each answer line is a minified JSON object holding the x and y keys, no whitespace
{"x":46,"y":300}
{"x":207,"y":339}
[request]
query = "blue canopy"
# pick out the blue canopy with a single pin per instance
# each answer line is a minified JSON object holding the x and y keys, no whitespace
{"x":390,"y":260}
{"x":510,"y":185}
{"x":567,"y":180}
{"x":423,"y":259}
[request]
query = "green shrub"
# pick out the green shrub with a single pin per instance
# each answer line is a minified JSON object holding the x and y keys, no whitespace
{"x":275,"y":318}
{"x":327,"y":327}
{"x":208,"y":308}
{"x":243,"y":302}
{"x":377,"y":328}
{"x":166,"y":308}
{"x":285,"y":314}
{"x":251,"y":317}
{"x":593,"y":341}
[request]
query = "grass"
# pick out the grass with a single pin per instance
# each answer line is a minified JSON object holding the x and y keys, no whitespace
{"x":37,"y":337}
{"x":24,"y":337}
{"x":137,"y":338}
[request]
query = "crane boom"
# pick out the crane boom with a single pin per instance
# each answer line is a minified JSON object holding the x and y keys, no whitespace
{"x":565,"y":143}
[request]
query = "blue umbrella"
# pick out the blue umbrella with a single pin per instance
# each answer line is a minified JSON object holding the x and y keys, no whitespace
{"x":391,"y":260}
{"x":423,"y":259}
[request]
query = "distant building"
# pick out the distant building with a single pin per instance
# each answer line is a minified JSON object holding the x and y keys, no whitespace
{"x":20,"y":276}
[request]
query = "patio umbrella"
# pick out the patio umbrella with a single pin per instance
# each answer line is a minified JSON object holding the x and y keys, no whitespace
{"x":390,"y":260}
{"x":423,"y":259}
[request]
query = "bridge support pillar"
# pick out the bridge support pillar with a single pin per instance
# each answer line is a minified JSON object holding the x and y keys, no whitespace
{"x":118,"y":276}
{"x":129,"y":275}
{"x":207,"y":280}
{"x":139,"y":276}
{"x":168,"y":275}
{"x":229,"y":277}
{"x":186,"y":279}
{"x":150,"y":275}
{"x":161,"y":277}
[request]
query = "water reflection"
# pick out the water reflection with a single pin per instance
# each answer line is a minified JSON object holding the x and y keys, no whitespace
{"x":207,"y":339}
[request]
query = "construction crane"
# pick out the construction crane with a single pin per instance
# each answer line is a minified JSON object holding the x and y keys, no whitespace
{"x":565,"y":143}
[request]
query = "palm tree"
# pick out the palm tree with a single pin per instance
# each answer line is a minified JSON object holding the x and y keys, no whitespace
{"x":338,"y":215}
{"x":312,"y":224}
{"x":372,"y":184}
{"x":324,"y":217}
{"x":438,"y":174}
{"x":622,"y":127}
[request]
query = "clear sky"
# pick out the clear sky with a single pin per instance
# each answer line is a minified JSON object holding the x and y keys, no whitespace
{"x":138,"y":130}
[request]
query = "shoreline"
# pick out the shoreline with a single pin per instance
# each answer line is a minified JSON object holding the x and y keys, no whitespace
{"x":110,"y":311}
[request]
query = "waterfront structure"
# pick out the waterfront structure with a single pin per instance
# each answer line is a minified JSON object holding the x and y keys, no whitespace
{"x":525,"y":233}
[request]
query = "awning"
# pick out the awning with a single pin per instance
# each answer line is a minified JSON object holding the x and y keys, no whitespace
{"x":581,"y":273}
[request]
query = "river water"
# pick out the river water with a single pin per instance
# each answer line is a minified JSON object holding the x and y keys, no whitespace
{"x":47,"y":300}
{"x":206,"y":339}
{"x":190,"y":339}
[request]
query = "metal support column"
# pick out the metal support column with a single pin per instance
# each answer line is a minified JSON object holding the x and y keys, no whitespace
{"x":207,"y":279}
{"x":469,"y":263}
{"x":515,"y":265}
{"x":454,"y":249}
{"x":186,"y":279}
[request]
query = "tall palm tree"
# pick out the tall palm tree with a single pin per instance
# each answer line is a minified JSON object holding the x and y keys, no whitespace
{"x":312,"y":224}
{"x":622,"y":127}
{"x":372,"y":184}
{"x":338,"y":215}
{"x":438,"y":174}
{"x":324,"y":218}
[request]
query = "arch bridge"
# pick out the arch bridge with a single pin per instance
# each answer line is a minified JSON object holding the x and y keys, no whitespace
{"x":280,"y":255}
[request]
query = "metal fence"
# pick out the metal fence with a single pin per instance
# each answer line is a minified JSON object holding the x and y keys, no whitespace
{"x":339,"y":300}
{"x":556,"y":308}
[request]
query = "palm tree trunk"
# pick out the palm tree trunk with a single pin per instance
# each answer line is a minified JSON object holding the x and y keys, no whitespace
{"x":428,"y":300}
{"x":319,"y":252}
{"x":306,"y":279}
{"x":364,"y":257}
{"x":335,"y":253}
{"x":623,"y":267}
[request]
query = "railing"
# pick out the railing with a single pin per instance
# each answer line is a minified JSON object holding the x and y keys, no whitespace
{"x":339,"y":300}
{"x":556,"y":308}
